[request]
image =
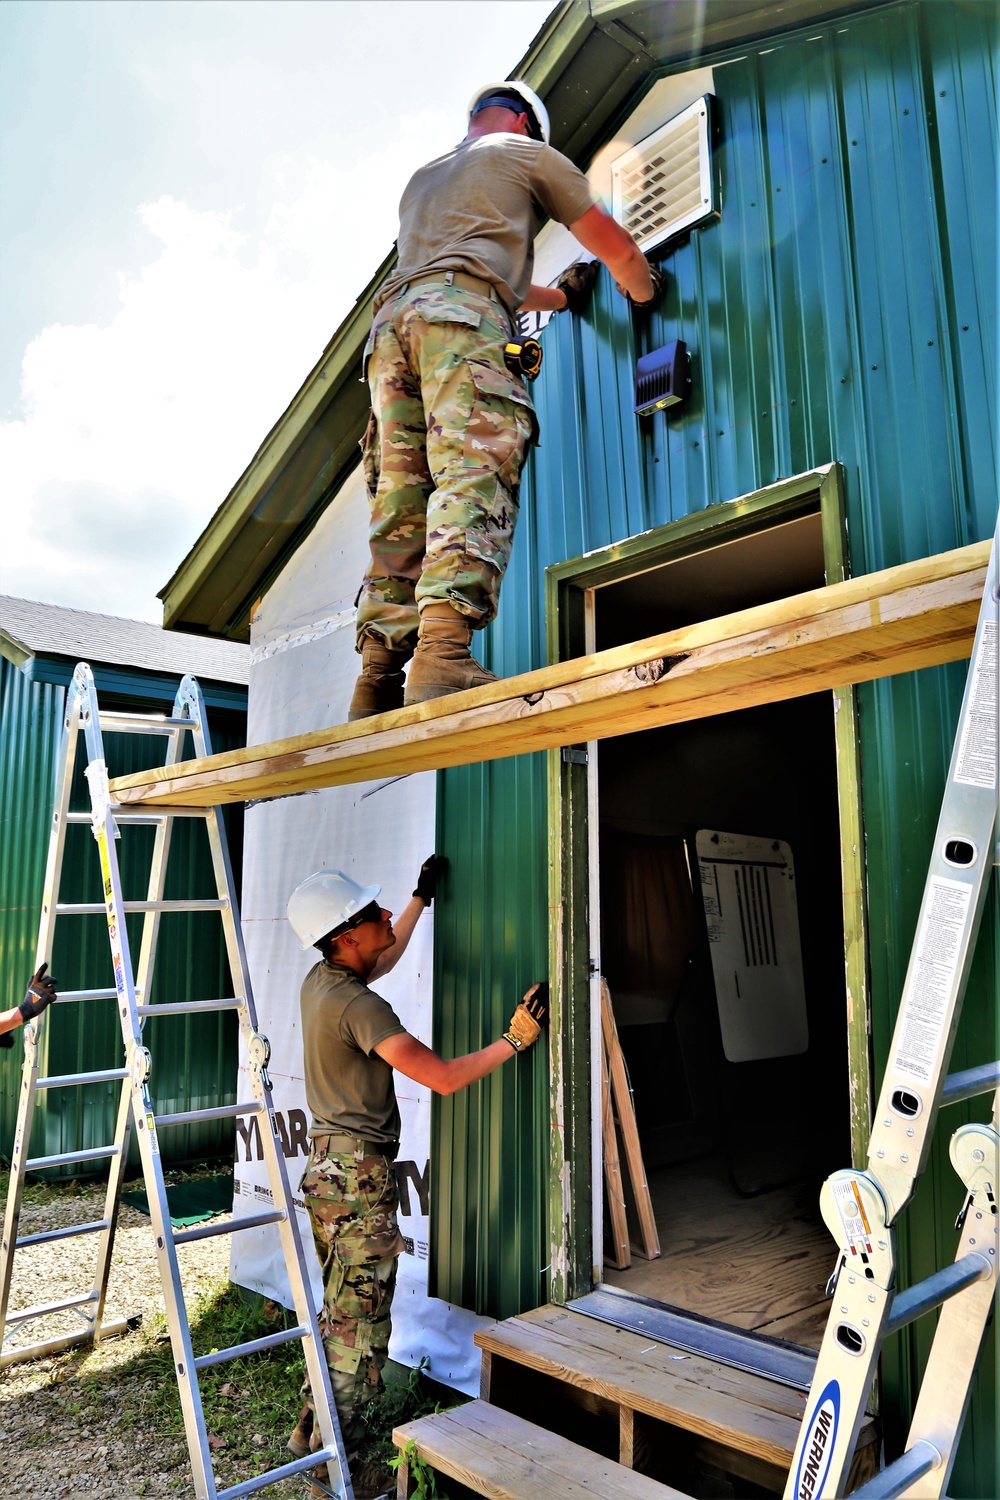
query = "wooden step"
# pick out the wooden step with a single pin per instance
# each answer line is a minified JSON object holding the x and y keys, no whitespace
{"x":743,"y":1423}
{"x":504,"y":1457}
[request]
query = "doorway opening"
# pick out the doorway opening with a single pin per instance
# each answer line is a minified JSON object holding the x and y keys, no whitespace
{"x":717,"y":909}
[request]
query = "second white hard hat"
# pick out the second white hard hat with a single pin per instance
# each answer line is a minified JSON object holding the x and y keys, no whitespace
{"x":533,"y":106}
{"x":323,"y":901}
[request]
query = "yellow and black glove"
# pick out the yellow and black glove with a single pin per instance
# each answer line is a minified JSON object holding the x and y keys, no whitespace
{"x":529,"y":1018}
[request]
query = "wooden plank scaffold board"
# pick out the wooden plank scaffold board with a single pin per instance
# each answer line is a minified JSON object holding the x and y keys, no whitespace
{"x":916,"y":615}
{"x":618,"y":1252}
{"x":624,"y":1109}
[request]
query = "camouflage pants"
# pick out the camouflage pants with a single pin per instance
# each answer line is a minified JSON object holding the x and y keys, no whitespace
{"x":352,"y":1201}
{"x":449,"y":432}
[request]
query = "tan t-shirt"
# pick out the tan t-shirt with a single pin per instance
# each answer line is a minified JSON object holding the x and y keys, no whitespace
{"x":348,"y":1086}
{"x":479,"y":207}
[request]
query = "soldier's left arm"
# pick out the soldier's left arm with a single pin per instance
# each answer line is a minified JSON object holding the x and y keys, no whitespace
{"x":402,"y":926}
{"x":544,"y":299}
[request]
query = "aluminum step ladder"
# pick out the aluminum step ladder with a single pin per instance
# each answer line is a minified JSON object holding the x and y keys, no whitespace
{"x":861,"y":1208}
{"x":137,"y":1109}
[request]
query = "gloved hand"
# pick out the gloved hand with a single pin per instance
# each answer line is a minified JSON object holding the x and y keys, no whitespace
{"x":656,"y":276}
{"x":430,"y":873}
{"x":577,"y":282}
{"x":40,"y":993}
{"x":529,"y":1018}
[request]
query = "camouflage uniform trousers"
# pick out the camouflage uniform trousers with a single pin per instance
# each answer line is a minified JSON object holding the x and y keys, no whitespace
{"x":352,"y":1200}
{"x":448,"y":435}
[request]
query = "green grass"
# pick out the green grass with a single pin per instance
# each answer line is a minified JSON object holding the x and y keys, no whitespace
{"x":250,"y":1404}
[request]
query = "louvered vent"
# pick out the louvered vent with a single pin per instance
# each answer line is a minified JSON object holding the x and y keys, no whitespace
{"x":664,"y":183}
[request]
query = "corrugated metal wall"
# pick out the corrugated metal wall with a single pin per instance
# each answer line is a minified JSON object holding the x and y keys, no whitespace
{"x":195,"y":1058}
{"x":843,"y":307}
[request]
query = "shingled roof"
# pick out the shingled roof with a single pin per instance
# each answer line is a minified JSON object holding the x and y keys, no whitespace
{"x":29,"y":629}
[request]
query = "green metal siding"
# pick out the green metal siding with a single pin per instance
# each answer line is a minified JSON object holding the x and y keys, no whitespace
{"x":195,"y":1058}
{"x":843,"y":307}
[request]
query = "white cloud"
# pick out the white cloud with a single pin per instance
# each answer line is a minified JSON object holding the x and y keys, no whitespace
{"x":133,"y":433}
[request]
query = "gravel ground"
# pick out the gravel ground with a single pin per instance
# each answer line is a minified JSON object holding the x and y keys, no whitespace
{"x":75,"y":1423}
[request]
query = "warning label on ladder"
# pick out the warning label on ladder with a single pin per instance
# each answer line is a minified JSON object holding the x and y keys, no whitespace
{"x":976,"y":762}
{"x":933,"y":975}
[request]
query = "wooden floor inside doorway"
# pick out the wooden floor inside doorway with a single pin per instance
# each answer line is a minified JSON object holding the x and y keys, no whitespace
{"x":759,"y":1263}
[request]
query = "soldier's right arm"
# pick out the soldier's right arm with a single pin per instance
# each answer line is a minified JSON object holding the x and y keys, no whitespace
{"x":604,"y":237}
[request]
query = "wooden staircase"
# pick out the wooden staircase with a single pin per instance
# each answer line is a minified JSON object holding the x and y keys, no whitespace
{"x":573,"y":1405}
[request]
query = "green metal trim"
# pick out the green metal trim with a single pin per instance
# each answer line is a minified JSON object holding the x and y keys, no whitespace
{"x":833,"y":513}
{"x":784,"y":501}
{"x":571,"y":1184}
{"x":570,"y":1152}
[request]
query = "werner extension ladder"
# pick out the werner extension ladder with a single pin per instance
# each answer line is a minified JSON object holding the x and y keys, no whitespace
{"x":137,"y":1109}
{"x":861,"y":1208}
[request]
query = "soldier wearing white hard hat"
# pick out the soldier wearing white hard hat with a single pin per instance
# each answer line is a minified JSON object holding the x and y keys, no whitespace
{"x":353,"y":1042}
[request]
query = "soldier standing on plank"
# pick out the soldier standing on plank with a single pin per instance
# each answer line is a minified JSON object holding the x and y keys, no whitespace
{"x":451,"y":425}
{"x":352,"y":1043}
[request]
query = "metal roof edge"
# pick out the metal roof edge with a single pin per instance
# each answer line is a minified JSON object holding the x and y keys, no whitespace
{"x":548,"y":56}
{"x":597,"y":28}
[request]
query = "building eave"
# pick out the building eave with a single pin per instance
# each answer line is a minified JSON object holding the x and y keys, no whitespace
{"x":591,"y":61}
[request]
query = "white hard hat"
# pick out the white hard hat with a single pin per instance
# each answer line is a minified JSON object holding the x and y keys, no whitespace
{"x":533,"y":106}
{"x":323,"y":901}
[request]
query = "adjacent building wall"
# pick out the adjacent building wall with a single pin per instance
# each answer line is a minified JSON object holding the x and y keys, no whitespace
{"x":194,"y":1056}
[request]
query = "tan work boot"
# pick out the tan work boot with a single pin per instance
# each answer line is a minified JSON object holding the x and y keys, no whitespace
{"x":298,"y":1442}
{"x":442,"y":662}
{"x":380,"y":686}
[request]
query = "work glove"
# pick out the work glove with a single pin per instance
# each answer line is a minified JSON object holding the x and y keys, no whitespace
{"x":529,"y":1018}
{"x":577,"y":281}
{"x":430,"y":873}
{"x":40,"y":993}
{"x":656,"y":276}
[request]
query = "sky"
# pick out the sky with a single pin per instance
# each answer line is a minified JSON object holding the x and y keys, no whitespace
{"x":193,"y":193}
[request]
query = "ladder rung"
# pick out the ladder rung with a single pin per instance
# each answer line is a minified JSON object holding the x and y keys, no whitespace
{"x":970,"y":1083}
{"x":190,"y":1007}
{"x":44,"y":1308}
{"x":255,"y":1346}
{"x":62,"y":1234}
{"x":93,"y":1154}
{"x":275,"y":1476}
{"x":142,"y":723}
{"x":98,"y":908}
{"x":896,"y":1478}
{"x":66,"y":1079}
{"x":233,"y":1226}
{"x":223,"y":1112}
{"x":108,"y":994}
{"x":930,"y":1293}
{"x":42,"y":1350}
{"x":126,"y":815}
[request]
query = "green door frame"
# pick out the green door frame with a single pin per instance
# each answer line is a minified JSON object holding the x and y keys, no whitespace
{"x":575,"y":1176}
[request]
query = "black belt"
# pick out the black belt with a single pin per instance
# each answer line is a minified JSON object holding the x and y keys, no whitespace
{"x":342,"y":1143}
